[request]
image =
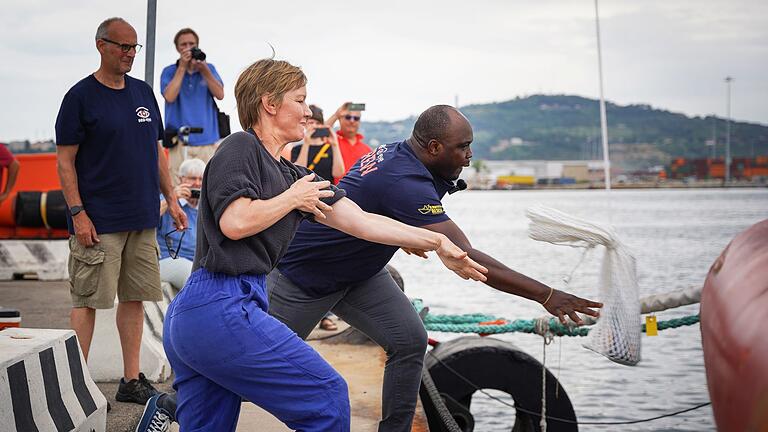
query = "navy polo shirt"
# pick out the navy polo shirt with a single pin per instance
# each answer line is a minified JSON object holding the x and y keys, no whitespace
{"x":390,"y":181}
{"x":117,"y":133}
{"x":194,"y":106}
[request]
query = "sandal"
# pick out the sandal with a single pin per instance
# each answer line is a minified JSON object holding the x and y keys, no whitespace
{"x":328,"y":324}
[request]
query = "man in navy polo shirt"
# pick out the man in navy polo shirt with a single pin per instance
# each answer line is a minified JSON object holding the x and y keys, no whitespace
{"x":326,"y":269}
{"x":188,"y":87}
{"x":112,"y":168}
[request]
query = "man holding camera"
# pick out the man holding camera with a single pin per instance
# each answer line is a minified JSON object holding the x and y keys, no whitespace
{"x":350,"y":142}
{"x":177,"y":248}
{"x":188,"y":87}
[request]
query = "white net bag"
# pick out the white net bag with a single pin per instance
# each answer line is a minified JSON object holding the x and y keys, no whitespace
{"x":617,"y":333}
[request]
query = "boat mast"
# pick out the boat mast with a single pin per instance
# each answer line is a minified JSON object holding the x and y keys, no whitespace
{"x":149,"y":65}
{"x":603,"y":121}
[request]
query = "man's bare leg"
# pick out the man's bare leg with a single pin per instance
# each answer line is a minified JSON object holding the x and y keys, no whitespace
{"x":82,"y":321}
{"x":130,"y":324}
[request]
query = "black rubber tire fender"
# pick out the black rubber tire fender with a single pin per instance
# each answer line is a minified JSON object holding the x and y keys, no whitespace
{"x":490,"y":363}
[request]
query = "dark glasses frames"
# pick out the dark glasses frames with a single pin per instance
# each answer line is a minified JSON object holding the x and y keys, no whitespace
{"x":351,"y":117}
{"x":174,"y":253}
{"x":124,"y":47}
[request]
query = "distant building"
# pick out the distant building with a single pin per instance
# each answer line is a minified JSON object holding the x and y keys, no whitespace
{"x":714,"y":168}
{"x":519,"y":172}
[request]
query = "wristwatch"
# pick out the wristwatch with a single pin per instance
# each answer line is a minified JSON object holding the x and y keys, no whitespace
{"x":74,"y":210}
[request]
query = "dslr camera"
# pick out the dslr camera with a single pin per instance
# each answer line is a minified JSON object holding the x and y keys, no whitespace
{"x":197,"y":54}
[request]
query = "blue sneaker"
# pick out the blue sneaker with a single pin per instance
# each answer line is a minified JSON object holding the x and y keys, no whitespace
{"x":154,"y":418}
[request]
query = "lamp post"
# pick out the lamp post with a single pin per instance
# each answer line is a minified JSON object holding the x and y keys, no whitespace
{"x":728,"y":80}
{"x":149,"y":60}
{"x":603,"y":121}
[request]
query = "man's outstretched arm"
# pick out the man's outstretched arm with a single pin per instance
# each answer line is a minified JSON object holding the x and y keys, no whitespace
{"x":505,"y":279}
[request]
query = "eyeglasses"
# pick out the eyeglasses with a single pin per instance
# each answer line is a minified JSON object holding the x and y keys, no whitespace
{"x":124,"y":47}
{"x":349,"y":117}
{"x":174,"y":253}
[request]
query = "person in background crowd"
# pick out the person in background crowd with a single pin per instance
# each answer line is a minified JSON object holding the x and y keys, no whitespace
{"x":177,"y":248}
{"x":188,"y":87}
{"x":7,"y":161}
{"x":323,"y":157}
{"x":350,"y":141}
{"x":111,"y":167}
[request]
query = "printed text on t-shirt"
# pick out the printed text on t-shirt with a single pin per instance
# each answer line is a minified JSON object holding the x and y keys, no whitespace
{"x":369,"y":161}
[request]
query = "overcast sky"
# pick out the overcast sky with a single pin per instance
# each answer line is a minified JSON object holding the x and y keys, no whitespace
{"x":400,"y":57}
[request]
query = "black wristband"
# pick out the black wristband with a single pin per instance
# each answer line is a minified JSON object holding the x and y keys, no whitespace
{"x":74,"y":210}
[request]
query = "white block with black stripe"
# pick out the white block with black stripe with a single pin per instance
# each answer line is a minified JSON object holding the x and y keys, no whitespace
{"x":45,"y":384}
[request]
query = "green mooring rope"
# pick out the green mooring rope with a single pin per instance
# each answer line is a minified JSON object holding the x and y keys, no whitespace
{"x":470,"y":323}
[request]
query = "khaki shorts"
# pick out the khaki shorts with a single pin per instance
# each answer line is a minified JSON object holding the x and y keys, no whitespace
{"x":176,"y":156}
{"x":123,"y":263}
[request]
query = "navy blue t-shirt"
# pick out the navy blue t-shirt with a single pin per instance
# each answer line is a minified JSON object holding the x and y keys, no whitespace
{"x":117,"y":133}
{"x":390,"y":181}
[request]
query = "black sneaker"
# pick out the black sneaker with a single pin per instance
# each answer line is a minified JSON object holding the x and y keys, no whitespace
{"x":137,"y":390}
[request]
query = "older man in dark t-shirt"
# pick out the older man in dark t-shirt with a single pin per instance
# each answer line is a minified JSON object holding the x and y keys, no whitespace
{"x":111,"y":169}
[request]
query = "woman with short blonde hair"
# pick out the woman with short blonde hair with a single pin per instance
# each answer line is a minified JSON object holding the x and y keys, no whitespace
{"x":221,"y":342}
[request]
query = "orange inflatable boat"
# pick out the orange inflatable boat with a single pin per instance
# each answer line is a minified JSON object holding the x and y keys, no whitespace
{"x":37,"y":173}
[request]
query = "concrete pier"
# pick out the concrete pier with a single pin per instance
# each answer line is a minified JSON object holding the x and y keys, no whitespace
{"x":47,"y":305}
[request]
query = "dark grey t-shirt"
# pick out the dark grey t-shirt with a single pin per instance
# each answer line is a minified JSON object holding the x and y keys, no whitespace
{"x":242,"y":167}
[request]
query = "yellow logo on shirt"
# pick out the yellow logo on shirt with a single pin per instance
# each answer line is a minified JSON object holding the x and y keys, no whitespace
{"x":431,"y":209}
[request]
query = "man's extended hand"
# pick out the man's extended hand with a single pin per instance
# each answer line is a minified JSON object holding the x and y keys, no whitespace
{"x":561,"y":304}
{"x":178,"y":215}
{"x":85,"y":232}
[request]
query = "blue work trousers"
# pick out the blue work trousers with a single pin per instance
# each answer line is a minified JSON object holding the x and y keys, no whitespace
{"x":223,"y":346}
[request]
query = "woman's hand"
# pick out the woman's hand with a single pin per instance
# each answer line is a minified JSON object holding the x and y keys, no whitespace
{"x":457,"y":260}
{"x":307,"y":194}
{"x":561,"y":304}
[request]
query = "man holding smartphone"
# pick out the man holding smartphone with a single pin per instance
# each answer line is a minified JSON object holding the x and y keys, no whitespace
{"x":177,"y":248}
{"x":350,"y":141}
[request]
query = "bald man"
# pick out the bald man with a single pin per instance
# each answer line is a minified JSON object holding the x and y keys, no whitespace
{"x":326,"y":269}
{"x":112,"y":168}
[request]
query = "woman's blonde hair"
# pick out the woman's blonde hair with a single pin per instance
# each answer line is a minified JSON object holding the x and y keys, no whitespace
{"x":273,"y":78}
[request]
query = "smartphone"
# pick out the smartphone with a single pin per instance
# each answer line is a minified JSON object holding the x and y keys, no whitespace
{"x":356,"y":107}
{"x":194,"y":193}
{"x":321,"y":133}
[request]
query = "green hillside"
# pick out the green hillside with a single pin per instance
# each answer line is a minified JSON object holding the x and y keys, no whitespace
{"x":568,"y":127}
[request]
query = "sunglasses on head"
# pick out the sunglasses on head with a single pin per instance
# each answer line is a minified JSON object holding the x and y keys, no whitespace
{"x":350,"y":117}
{"x":173,"y":253}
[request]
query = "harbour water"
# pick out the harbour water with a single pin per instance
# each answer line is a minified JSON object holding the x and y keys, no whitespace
{"x":675,"y":236}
